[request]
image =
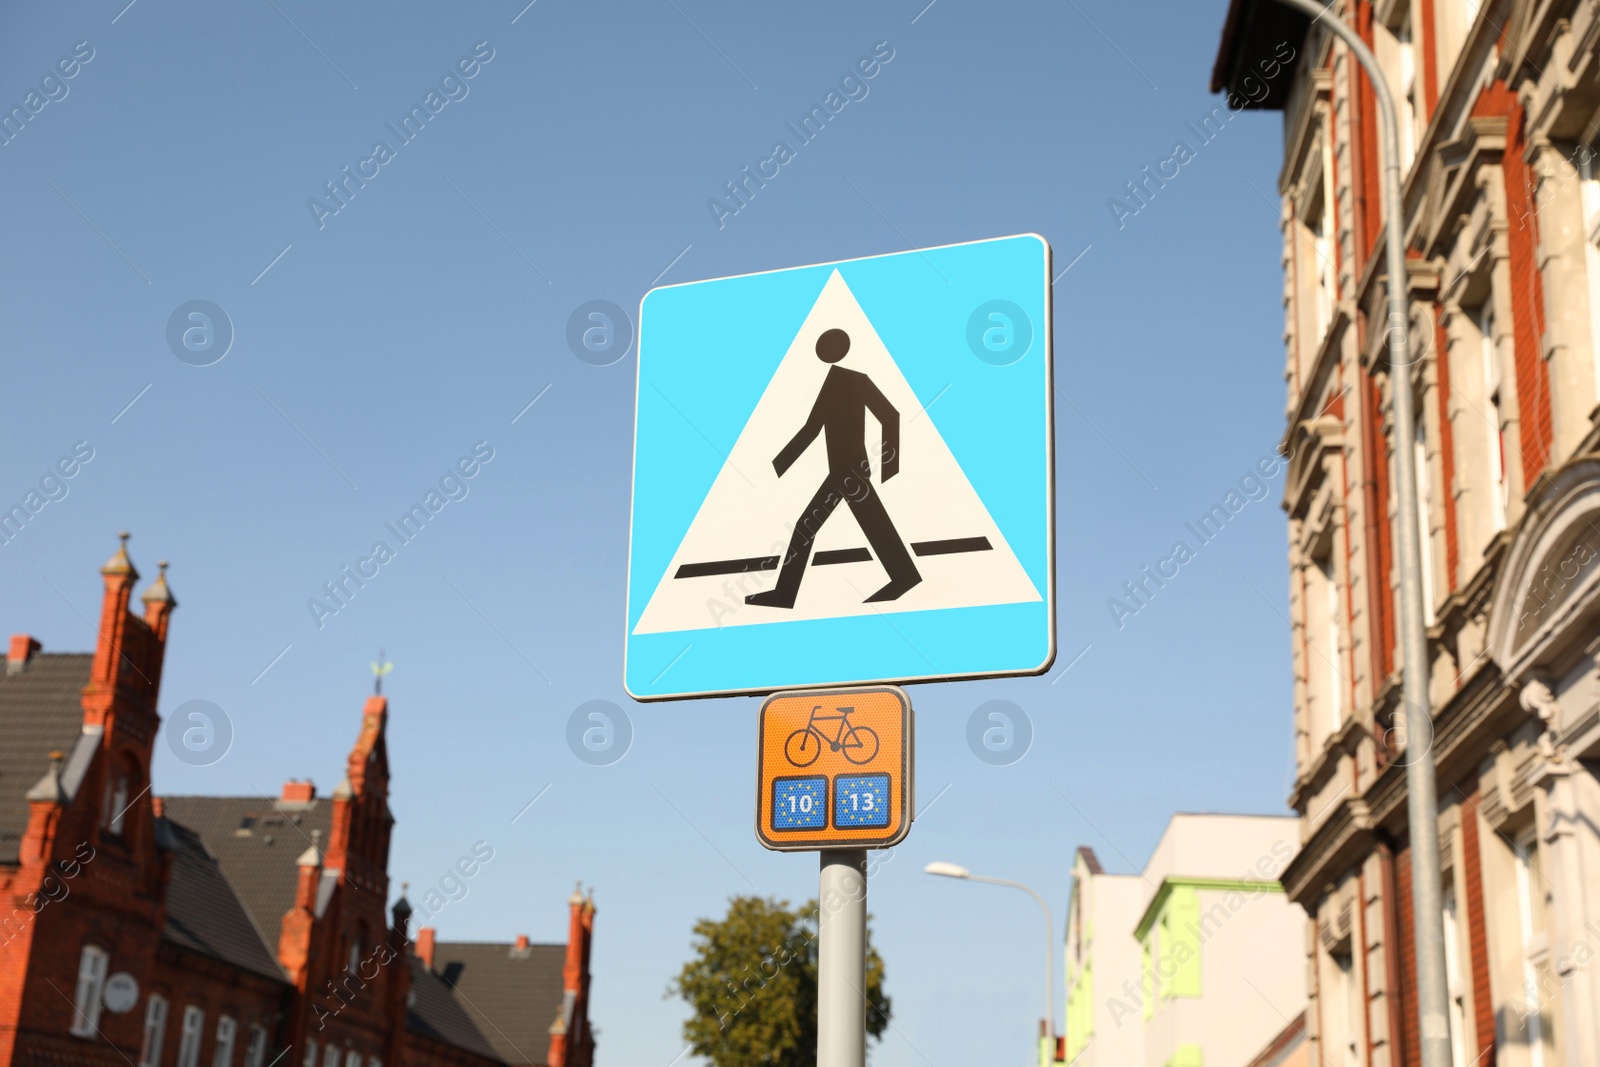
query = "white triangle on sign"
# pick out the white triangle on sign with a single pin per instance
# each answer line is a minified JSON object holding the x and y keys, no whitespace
{"x":750,"y":511}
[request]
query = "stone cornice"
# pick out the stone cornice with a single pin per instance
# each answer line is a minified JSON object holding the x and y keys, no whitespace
{"x":1322,"y":366}
{"x":1342,"y":742}
{"x":1337,"y":844}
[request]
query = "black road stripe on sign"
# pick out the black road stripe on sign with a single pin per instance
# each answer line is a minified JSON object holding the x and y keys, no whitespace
{"x":947,"y":547}
{"x":953,"y":545}
{"x":842,"y":555}
{"x":727,"y":566}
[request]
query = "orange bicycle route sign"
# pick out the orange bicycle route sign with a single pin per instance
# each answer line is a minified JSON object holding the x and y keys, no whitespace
{"x":834,"y":769}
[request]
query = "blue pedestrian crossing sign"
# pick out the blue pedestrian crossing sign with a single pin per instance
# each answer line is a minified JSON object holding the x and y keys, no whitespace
{"x":843,"y":475}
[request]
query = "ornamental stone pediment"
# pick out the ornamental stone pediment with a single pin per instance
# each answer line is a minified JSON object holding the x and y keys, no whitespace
{"x":1547,"y":595}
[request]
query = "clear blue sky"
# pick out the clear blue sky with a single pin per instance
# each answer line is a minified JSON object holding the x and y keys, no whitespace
{"x":429,"y":311}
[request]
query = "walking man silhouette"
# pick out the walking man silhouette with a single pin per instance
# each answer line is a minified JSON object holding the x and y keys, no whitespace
{"x":840,"y":413}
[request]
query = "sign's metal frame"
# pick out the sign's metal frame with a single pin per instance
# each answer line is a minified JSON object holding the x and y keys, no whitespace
{"x":1047,"y":337}
{"x":798,"y":841}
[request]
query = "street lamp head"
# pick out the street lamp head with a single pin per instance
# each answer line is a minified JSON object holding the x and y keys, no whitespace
{"x":948,"y":870}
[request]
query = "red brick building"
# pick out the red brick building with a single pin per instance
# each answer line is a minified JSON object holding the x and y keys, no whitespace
{"x":1498,"y":105}
{"x":228,"y":931}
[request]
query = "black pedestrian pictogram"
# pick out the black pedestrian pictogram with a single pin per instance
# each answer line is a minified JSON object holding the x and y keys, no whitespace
{"x":840,"y":415}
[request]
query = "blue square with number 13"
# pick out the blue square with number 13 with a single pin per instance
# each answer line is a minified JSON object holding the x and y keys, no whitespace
{"x":861,"y":800}
{"x":800,"y":803}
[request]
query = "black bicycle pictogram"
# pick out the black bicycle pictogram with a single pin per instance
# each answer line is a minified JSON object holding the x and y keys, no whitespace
{"x":858,"y":744}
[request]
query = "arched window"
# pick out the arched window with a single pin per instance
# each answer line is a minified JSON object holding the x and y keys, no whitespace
{"x":121,"y":792}
{"x":155,"y":1030}
{"x":91,"y":984}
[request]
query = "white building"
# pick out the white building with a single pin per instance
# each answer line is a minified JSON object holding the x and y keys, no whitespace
{"x":1197,"y":960}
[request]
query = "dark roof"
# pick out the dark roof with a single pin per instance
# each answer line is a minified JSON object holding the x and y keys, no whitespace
{"x":512,"y":994}
{"x":1252,"y":33}
{"x":204,"y":914}
{"x":433,"y":1011}
{"x":256,"y":840}
{"x":41,"y":711}
{"x":1090,"y":860}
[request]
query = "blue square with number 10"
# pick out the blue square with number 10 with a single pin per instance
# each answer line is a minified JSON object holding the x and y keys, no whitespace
{"x":861,"y":800}
{"x":800,"y":803}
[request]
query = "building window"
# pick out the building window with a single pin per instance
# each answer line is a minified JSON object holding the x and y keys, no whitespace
{"x":256,"y":1054}
{"x":1410,"y":109}
{"x":1323,"y":636}
{"x":1147,"y":976}
{"x":1452,"y":974}
{"x":1346,"y":1003}
{"x":91,"y":983}
{"x":352,"y":1058}
{"x":330,"y":1056}
{"x":119,"y":805}
{"x":310,"y":1059}
{"x":1530,"y":917}
{"x":1319,"y":232}
{"x":1589,"y":187}
{"x":1424,"y":511}
{"x":1494,"y":412}
{"x":194,"y":1021}
{"x":222,"y":1055}
{"x":1179,"y":968}
{"x":155,"y":1030}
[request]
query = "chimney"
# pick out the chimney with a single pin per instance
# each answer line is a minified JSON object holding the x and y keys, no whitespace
{"x":298,"y":792}
{"x":522,"y":942}
{"x":425,"y":946}
{"x":22,"y":649}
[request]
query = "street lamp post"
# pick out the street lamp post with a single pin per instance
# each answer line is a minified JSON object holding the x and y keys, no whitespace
{"x":1422,"y":799}
{"x":951,"y":870}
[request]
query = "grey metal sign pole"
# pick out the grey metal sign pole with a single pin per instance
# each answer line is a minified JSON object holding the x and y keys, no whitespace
{"x":1422,"y":797}
{"x":842,"y":959}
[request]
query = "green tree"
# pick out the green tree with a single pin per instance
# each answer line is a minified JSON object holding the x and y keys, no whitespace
{"x":753,"y":986}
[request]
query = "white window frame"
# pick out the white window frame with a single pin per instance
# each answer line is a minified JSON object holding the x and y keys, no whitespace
{"x":310,"y":1059}
{"x":93,"y":963}
{"x":352,"y":1058}
{"x":194,"y":1024}
{"x":1344,"y":976}
{"x":155,"y":1030}
{"x":1410,"y":93}
{"x":1324,"y":282}
{"x":330,"y":1055}
{"x":1424,"y":510}
{"x":1454,"y":982}
{"x":227,"y":1037}
{"x":1322,"y":640}
{"x":1493,"y":379}
{"x":256,"y":1052}
{"x":1530,"y":925}
{"x":1589,"y":188}
{"x":117,"y":812}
